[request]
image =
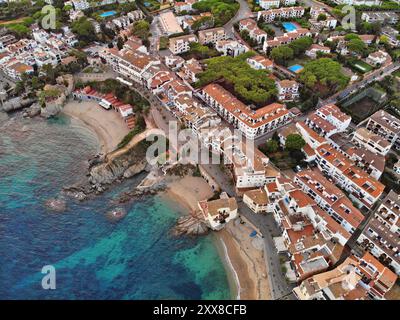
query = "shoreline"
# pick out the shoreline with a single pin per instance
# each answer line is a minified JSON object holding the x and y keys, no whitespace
{"x":109,"y":128}
{"x":243,"y":263}
{"x":244,"y":283}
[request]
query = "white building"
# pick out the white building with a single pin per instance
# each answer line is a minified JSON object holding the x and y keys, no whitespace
{"x":250,"y":122}
{"x":260,"y":62}
{"x":231,"y":48}
{"x":212,"y":35}
{"x":218,"y":213}
{"x":181,"y":44}
{"x":288,"y":90}
{"x":371,"y":141}
{"x":381,"y":235}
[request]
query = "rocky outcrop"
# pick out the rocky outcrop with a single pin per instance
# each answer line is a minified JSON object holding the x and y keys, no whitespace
{"x":190,"y":225}
{"x":120,"y":165}
{"x":58,"y":205}
{"x":33,"y":111}
{"x":17,"y":104}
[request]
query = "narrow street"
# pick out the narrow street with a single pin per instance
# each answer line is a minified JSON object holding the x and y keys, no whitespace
{"x":243,"y":13}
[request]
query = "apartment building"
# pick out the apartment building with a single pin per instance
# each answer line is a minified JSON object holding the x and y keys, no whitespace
{"x":354,"y":279}
{"x":381,"y":235}
{"x":370,"y":162}
{"x":128,"y":63}
{"x":269,"y":4}
{"x":329,"y":22}
{"x":181,"y":44}
{"x":231,"y":48}
{"x":81,"y":4}
{"x":378,"y":58}
{"x":371,"y":141}
{"x":260,"y":62}
{"x":286,"y":38}
{"x":252,"y":123}
{"x":385,"y":125}
{"x":312,"y":52}
{"x":288,"y":90}
{"x":361,"y":188}
{"x":359,"y":2}
{"x":254,"y":31}
{"x":312,"y":138}
{"x":190,"y":69}
{"x":380,"y":16}
{"x":285,"y":13}
{"x":261,"y":200}
{"x":212,"y":35}
{"x":186,"y":5}
{"x":330,"y":199}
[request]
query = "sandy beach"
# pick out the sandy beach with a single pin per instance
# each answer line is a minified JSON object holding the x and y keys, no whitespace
{"x":189,"y":190}
{"x":243,"y":256}
{"x":107,"y":124}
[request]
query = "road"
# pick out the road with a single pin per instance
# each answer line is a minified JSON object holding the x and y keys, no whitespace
{"x":374,"y":76}
{"x":243,"y":13}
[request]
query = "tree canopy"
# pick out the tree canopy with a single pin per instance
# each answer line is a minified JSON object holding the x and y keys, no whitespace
{"x":294,"y":142}
{"x":326,"y":72}
{"x":282,"y":54}
{"x":222,"y":10}
{"x":252,"y":86}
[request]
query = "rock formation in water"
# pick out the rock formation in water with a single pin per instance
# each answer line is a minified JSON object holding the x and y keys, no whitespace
{"x":119,"y":165}
{"x":17,"y":103}
{"x":189,"y":225}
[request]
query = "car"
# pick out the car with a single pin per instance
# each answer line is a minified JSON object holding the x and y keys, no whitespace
{"x":297,"y":168}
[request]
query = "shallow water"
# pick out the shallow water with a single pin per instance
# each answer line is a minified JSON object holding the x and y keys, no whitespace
{"x":94,"y":258}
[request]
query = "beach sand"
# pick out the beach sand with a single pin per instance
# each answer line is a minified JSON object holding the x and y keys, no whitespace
{"x":107,"y":124}
{"x":246,"y":256}
{"x":243,"y":256}
{"x":189,"y":190}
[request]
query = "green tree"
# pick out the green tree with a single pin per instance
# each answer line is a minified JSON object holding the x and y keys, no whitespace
{"x":321,"y":17}
{"x":282,"y":54}
{"x":299,"y":46}
{"x":357,"y":46}
{"x":271,"y":146}
{"x":84,"y":29}
{"x":326,"y":72}
{"x":120,"y":43}
{"x":294,"y":142}
{"x":141,"y":29}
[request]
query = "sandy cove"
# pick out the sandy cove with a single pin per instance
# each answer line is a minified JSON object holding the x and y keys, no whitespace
{"x":244,"y":262}
{"x":107,"y":124}
{"x":243,"y":256}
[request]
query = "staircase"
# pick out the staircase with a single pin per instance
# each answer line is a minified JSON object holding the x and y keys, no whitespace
{"x":130,"y":121}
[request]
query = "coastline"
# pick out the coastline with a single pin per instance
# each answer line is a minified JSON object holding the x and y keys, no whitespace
{"x":242,"y":268}
{"x":244,"y":263}
{"x":109,"y":128}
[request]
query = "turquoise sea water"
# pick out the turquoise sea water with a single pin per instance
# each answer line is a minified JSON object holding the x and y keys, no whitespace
{"x":95,"y":258}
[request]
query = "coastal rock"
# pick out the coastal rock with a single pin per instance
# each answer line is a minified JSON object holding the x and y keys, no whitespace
{"x":55,"y":204}
{"x":51,"y":110}
{"x":116,"y":214}
{"x":118,"y":165}
{"x":17,"y":103}
{"x":33,"y":111}
{"x":189,"y":225}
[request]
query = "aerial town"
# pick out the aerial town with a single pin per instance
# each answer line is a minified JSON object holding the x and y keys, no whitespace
{"x":313,"y":85}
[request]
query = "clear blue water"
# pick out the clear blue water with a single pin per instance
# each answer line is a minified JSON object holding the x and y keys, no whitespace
{"x":95,"y":258}
{"x":289,"y":26}
{"x":108,"y":14}
{"x":296,"y":68}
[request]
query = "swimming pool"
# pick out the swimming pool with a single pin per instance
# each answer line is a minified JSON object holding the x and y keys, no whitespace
{"x":108,"y":14}
{"x":289,"y":26}
{"x":296,"y":68}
